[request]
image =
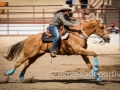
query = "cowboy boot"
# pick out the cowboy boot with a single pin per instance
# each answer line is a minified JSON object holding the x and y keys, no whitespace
{"x":53,"y":54}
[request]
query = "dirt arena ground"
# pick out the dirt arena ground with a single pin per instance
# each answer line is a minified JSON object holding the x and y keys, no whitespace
{"x":65,"y":72}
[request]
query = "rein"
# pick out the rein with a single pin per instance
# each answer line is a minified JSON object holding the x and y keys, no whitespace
{"x":102,"y":42}
{"x":86,"y":36}
{"x":84,"y":33}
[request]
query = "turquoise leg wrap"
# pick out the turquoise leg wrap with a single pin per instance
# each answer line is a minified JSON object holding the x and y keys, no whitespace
{"x":98,"y":78}
{"x":22,"y":75}
{"x":95,"y":70}
{"x":95,"y":62}
{"x":11,"y":71}
{"x":94,"y":74}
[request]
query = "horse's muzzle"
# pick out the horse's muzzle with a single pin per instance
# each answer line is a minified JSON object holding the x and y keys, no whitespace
{"x":107,"y":40}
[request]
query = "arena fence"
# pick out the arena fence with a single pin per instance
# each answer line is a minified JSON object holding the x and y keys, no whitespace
{"x":32,"y":19}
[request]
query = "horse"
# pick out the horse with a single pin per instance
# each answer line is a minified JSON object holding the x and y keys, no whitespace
{"x":33,"y":47}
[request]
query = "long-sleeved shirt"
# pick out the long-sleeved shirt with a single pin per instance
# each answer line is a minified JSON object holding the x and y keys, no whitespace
{"x":58,"y":19}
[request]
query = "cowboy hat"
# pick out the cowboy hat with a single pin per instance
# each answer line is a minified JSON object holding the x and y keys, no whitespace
{"x":65,"y":7}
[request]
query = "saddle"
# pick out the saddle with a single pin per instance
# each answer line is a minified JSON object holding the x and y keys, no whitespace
{"x":47,"y":37}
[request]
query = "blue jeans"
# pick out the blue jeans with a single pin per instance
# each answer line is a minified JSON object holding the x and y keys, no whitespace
{"x":55,"y":31}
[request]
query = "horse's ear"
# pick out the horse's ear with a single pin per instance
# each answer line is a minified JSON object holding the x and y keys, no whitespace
{"x":102,"y":20}
{"x":93,"y":15}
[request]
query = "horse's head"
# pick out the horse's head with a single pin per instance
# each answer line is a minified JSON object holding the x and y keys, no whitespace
{"x":102,"y":30}
{"x":96,"y":26}
{"x":105,"y":34}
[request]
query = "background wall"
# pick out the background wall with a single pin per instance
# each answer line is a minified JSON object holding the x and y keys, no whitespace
{"x":36,"y":2}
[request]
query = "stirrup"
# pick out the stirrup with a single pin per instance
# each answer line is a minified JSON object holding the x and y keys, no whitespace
{"x":53,"y":54}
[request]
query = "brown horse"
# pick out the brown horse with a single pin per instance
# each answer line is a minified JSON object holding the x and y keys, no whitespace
{"x":33,"y":47}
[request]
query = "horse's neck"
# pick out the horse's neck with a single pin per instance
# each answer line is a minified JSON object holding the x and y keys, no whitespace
{"x":89,"y":31}
{"x":86,"y":32}
{"x":88,"y":28}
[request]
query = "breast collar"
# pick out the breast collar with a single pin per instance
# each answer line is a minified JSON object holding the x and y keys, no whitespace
{"x":83,"y":34}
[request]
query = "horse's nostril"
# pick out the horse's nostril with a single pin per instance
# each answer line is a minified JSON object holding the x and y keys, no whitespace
{"x":108,"y":38}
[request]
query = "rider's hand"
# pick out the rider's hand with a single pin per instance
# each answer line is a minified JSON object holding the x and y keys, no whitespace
{"x":77,"y":26}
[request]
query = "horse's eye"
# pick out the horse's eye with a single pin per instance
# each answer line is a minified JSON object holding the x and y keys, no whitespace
{"x":102,"y":27}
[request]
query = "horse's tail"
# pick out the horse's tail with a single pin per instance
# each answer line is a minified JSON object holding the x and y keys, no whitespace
{"x":15,"y":50}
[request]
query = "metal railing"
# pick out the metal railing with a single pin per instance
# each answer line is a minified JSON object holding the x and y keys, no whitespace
{"x":39,"y":16}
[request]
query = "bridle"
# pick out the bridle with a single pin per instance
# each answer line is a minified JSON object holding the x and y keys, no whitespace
{"x":100,"y":30}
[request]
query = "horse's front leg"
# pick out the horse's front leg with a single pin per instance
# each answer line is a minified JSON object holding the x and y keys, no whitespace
{"x":84,"y":53}
{"x":87,"y":61}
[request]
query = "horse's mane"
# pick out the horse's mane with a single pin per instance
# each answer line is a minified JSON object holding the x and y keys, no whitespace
{"x":91,"y":19}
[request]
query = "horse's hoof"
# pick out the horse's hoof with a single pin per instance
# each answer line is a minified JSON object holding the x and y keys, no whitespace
{"x":98,"y":79}
{"x":21,"y":78}
{"x":10,"y":72}
{"x":6,"y":74}
{"x":22,"y":75}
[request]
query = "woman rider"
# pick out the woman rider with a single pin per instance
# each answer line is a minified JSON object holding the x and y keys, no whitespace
{"x":56,"y":22}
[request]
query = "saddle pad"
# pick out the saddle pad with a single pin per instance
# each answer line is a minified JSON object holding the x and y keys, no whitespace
{"x":65,"y":36}
{"x":47,"y":39}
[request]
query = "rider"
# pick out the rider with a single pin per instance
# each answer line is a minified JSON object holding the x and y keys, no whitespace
{"x":59,"y":19}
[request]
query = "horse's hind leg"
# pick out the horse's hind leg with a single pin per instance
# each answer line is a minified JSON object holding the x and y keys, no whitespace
{"x":27,"y":64}
{"x":18,"y":63}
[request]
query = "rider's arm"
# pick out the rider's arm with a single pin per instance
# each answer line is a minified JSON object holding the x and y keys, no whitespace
{"x":65,"y":22}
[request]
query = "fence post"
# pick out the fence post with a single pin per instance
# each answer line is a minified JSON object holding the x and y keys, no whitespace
{"x":119,"y":28}
{"x":83,"y":14}
{"x":43,"y":20}
{"x":33,"y":13}
{"x":7,"y":22}
{"x":118,"y":8}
